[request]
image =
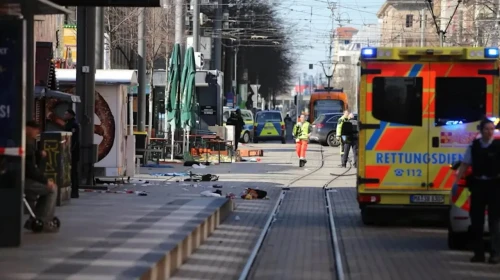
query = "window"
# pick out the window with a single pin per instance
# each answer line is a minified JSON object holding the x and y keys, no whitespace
{"x":269,"y":117}
{"x":334,"y":119}
{"x":325,"y":106}
{"x":319,"y":119}
{"x":246,"y":116}
{"x":346,"y":59}
{"x":460,"y":100}
{"x":409,"y":21}
{"x":398,"y":100}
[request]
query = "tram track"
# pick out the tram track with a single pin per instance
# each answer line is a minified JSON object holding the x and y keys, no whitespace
{"x":268,"y":227}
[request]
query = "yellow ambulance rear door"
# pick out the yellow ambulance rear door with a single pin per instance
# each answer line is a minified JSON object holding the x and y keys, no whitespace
{"x":465,"y":91}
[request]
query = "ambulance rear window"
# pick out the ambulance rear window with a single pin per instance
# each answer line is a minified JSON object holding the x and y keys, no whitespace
{"x":398,"y":100}
{"x":460,"y":100}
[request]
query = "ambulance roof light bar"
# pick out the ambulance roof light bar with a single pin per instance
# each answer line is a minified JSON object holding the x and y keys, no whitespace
{"x":369,"y":52}
{"x":491,"y":53}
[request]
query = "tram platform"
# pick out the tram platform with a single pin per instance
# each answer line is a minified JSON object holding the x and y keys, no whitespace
{"x":118,"y":236}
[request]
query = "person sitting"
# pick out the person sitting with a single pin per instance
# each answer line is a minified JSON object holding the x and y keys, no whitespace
{"x":36,"y":185}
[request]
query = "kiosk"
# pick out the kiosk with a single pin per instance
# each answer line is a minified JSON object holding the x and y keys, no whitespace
{"x":110,"y":123}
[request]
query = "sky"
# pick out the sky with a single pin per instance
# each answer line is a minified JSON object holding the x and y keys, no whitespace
{"x":311,"y":22}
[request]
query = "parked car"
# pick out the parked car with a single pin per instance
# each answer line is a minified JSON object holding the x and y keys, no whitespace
{"x":247,"y":115}
{"x":324,"y":129}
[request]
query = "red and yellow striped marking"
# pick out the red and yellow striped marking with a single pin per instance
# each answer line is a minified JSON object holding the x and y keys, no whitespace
{"x":376,"y":172}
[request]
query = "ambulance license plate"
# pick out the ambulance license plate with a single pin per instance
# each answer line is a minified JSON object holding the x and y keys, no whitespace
{"x":424,"y":198}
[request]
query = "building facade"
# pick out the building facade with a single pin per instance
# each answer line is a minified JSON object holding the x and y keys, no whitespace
{"x":402,"y":24}
{"x":347,"y":57}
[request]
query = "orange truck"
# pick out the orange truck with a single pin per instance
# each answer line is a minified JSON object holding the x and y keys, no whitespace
{"x":327,"y":101}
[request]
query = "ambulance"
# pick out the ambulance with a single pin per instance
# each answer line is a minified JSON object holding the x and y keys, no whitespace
{"x":419,"y":108}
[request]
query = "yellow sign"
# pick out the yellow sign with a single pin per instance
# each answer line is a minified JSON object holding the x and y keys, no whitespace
{"x":69,"y":43}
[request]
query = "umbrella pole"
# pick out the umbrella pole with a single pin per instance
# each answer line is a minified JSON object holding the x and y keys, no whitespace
{"x":187,"y":139}
{"x":183,"y":141}
{"x":172,"y":131}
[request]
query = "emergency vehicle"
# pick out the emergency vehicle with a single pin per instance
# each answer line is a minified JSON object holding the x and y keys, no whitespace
{"x":269,"y":125}
{"x":418,"y":110}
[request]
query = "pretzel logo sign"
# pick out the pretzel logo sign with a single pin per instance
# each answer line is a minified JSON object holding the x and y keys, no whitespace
{"x":102,"y":110}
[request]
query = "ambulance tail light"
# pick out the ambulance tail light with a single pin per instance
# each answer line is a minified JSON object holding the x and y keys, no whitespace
{"x":368,"y":198}
{"x":369,"y":52}
{"x":491,"y":53}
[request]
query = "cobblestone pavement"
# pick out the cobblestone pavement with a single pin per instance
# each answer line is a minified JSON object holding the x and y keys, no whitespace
{"x":400,"y":250}
{"x":397,"y":251}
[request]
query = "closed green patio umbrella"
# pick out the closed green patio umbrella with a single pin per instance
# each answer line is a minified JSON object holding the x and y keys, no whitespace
{"x":188,"y":95}
{"x":174,"y":75}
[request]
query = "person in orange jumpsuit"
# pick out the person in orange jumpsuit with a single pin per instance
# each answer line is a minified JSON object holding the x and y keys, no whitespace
{"x":301,"y":132}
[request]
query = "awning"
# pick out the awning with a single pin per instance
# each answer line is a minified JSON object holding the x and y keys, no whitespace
{"x":40,"y":7}
{"x":43,"y":92}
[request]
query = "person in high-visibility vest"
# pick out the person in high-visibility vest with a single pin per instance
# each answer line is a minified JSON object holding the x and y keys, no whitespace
{"x":301,"y":132}
{"x":340,"y":122}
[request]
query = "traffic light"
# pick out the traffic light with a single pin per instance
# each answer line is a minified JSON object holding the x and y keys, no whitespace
{"x":295,"y":100}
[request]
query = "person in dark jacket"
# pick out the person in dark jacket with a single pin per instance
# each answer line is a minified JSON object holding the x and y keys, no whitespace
{"x":74,"y":127}
{"x":483,"y":155}
{"x":236,"y":120}
{"x":36,"y":184}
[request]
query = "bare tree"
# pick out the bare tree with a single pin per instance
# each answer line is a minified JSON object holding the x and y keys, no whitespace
{"x":122,"y":29}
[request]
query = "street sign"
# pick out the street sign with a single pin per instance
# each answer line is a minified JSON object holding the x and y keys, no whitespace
{"x":255,"y":88}
{"x":109,"y":3}
{"x":12,"y":125}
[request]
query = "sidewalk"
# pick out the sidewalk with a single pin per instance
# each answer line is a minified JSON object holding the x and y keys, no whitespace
{"x":120,"y":235}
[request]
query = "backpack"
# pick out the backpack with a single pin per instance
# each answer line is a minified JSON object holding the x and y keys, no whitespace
{"x":349,"y":128}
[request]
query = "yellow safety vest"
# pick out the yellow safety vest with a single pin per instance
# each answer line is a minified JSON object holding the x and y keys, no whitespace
{"x":302,"y":132}
{"x":339,"y":125}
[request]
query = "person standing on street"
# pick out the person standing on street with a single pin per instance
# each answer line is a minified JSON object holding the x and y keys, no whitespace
{"x":483,"y":155}
{"x":236,"y":120}
{"x":339,"y":136}
{"x":73,"y":127}
{"x":301,"y":132}
{"x":350,"y":139}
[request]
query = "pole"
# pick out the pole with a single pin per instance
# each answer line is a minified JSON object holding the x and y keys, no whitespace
{"x":494,"y":42}
{"x":99,"y":41}
{"x":441,"y":38}
{"x":218,"y":38}
{"x":141,"y":94}
{"x":179,"y":22}
{"x":460,"y":27}
{"x":298,"y":100}
{"x":356,"y":85}
{"x":131,"y":114}
{"x":150,"y":106}
{"x":30,"y":59}
{"x":85,"y":88}
{"x":196,"y":25}
{"x":236,"y":73}
{"x":423,"y":21}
